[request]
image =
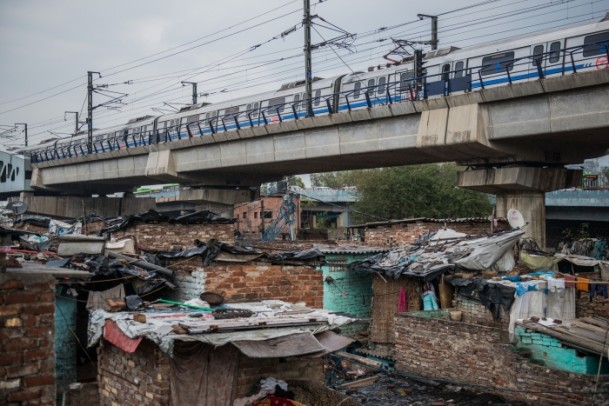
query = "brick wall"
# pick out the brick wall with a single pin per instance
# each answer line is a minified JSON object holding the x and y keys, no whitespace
{"x":249,"y":215}
{"x":163,"y":236}
{"x":251,"y":281}
{"x":347,"y":291}
{"x":474,"y":354}
{"x":27,"y":355}
{"x":141,"y":378}
{"x":590,"y":307}
{"x":398,"y":234}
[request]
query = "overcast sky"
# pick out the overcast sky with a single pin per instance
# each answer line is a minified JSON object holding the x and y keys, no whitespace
{"x":229,"y":47}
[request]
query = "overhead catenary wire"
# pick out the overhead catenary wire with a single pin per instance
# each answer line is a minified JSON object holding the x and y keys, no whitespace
{"x":347,"y":58}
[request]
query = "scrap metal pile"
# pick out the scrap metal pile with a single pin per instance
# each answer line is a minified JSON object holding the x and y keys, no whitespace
{"x":58,"y":244}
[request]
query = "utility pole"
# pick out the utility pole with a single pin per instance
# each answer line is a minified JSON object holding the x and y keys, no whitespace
{"x":306,"y":22}
{"x":194,"y":90}
{"x":76,"y":119}
{"x":25,"y":126}
{"x":90,"y":111}
{"x":434,"y":29}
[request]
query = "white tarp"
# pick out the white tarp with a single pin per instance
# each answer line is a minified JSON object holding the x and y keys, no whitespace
{"x":487,"y":251}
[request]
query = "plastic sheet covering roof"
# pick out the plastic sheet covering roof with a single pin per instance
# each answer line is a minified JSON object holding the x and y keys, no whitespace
{"x":204,"y":216}
{"x":437,"y":257}
{"x":272,"y":319}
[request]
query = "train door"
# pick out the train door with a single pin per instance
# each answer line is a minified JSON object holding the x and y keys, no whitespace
{"x":554,"y":58}
{"x":459,"y":80}
{"x":537,"y":62}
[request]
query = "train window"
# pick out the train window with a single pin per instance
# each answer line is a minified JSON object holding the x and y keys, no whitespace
{"x":357,"y":89}
{"x":317,"y":101}
{"x":371,"y":86}
{"x":381,"y":86}
{"x":296,"y":99}
{"x":405,"y":79}
{"x":231,"y":111}
{"x":192,"y":119}
{"x":276,"y":105}
{"x":537,"y":54}
{"x":596,"y":44}
{"x":497,"y":63}
{"x":445,"y":71}
{"x":255,"y":111}
{"x":554,"y":52}
{"x":459,"y":69}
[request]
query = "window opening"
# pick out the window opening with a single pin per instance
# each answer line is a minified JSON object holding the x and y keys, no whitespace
{"x":554,"y":52}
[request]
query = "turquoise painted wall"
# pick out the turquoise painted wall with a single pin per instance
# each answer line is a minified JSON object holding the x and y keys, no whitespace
{"x":550,"y":352}
{"x":65,"y":342}
{"x":350,"y":291}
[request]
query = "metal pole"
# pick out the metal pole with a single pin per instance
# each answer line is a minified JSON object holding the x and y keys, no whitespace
{"x":90,"y":111}
{"x":307,"y":51}
{"x":434,"y":29}
{"x":194,"y":90}
{"x":434,"y":32}
{"x":25,"y":126}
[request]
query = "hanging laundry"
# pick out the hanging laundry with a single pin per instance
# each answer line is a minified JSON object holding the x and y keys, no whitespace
{"x":402,"y":301}
{"x":569,"y":280}
{"x":583,"y":284}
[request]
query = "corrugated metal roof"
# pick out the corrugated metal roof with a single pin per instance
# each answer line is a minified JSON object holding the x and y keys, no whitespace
{"x":353,"y":250}
{"x":429,"y":220}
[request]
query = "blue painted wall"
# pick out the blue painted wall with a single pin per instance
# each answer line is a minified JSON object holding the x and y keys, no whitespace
{"x":65,"y":342}
{"x":550,"y":351}
{"x":350,"y":291}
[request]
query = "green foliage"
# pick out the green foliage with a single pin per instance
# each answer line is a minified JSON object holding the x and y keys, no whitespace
{"x":296,"y":181}
{"x":409,"y":192}
{"x":335,"y":180}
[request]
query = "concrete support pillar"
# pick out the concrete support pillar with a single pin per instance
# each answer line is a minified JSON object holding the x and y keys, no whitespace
{"x":533,"y":209}
{"x":521,"y":188}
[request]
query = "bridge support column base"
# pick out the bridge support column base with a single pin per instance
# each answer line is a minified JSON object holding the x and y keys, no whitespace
{"x":522,"y":188}
{"x":533,"y":209}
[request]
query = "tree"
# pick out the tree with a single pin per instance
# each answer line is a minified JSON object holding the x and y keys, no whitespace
{"x":409,"y":192}
{"x":296,"y":181}
{"x":334,"y":180}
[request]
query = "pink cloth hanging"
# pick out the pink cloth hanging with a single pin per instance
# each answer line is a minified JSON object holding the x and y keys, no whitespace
{"x":402,"y":301}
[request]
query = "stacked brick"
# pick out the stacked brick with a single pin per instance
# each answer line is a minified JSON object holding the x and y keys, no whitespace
{"x":141,"y":378}
{"x":27,"y":355}
{"x":472,"y":354}
{"x":589,"y":307}
{"x":401,"y":233}
{"x":250,"y":281}
{"x":165,"y":236}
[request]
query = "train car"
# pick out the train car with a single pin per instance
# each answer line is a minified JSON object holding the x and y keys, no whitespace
{"x":445,"y":71}
{"x":287,"y":103}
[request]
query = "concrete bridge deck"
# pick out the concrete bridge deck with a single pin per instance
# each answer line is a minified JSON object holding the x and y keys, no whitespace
{"x":551,"y":121}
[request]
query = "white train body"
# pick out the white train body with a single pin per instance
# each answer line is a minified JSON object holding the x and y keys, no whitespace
{"x":445,"y":71}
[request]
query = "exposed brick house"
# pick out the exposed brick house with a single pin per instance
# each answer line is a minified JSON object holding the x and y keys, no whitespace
{"x":396,"y":233}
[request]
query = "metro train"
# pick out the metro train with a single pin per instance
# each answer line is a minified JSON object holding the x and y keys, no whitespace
{"x":437,"y":73}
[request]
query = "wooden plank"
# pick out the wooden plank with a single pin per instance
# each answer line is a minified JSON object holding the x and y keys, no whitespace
{"x":592,"y":335}
{"x":360,"y":383}
{"x":571,"y":340}
{"x":591,"y":327}
{"x":360,"y":359}
{"x":596,"y":321}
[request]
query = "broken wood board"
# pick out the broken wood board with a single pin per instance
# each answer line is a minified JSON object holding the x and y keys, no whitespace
{"x":360,"y":359}
{"x":360,"y":383}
